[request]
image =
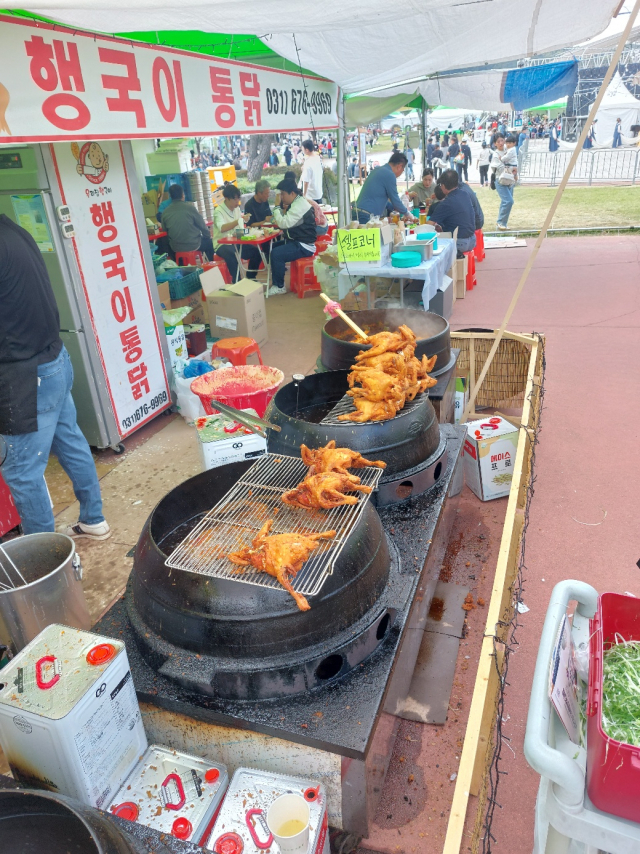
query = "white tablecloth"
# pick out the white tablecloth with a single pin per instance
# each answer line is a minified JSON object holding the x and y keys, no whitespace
{"x":431,"y":272}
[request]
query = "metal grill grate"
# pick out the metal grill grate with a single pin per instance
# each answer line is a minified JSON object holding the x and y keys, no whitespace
{"x":254,"y":499}
{"x":345,"y":404}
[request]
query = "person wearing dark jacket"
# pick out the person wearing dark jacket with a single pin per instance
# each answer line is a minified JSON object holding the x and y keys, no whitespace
{"x":454,"y":151}
{"x":297,"y":219}
{"x":464,"y":166}
{"x":37,"y":412}
{"x":455,"y":211}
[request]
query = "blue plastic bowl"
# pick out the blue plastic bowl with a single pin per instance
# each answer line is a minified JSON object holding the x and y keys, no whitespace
{"x":406,"y":259}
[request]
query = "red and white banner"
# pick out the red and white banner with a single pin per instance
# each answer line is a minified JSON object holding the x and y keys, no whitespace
{"x":94,"y":184}
{"x":58,"y":84}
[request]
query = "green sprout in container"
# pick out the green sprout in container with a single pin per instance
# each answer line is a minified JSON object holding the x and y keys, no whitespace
{"x":621,"y":692}
{"x":505,"y":477}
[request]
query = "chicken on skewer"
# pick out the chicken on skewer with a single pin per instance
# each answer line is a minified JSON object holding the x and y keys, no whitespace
{"x":325,"y":491}
{"x":368,"y":410}
{"x":329,"y":458}
{"x":280,"y":555}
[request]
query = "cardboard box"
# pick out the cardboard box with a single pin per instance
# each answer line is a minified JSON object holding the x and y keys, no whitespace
{"x":176,"y":342}
{"x":164,"y":295}
{"x":238,"y":310}
{"x":462,"y":394}
{"x":460,"y":266}
{"x":222,"y":440}
{"x":489,"y":456}
{"x":195,"y":301}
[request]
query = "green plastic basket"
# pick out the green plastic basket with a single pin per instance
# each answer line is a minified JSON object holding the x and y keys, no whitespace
{"x":188,"y":284}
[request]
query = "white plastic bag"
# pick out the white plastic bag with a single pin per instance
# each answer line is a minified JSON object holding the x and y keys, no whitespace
{"x":188,"y":404}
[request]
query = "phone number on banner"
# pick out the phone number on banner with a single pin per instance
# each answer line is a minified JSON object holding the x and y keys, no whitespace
{"x":298,"y":103}
{"x":144,"y":410}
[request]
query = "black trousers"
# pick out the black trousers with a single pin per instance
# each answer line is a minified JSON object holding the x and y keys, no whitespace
{"x":228,"y":255}
{"x":484,"y":174}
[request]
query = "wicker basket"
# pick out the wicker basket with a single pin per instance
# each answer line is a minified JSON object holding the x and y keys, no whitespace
{"x":504,"y":385}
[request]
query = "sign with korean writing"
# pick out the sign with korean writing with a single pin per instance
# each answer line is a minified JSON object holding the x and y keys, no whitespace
{"x":93,"y":183}
{"x":58,"y":84}
{"x":358,"y":244}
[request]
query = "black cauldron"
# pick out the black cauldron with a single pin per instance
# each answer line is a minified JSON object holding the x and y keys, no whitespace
{"x":339,"y":348}
{"x":252,"y":642}
{"x":402,"y":442}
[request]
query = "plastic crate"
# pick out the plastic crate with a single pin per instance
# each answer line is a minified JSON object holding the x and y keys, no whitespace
{"x":613,"y":768}
{"x":158,"y":259}
{"x":186,"y":284}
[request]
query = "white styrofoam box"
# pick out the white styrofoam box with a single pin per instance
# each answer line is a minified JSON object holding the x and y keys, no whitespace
{"x":69,"y":715}
{"x":489,"y":456}
{"x":241,"y":822}
{"x":222,"y":440}
{"x":172,"y":792}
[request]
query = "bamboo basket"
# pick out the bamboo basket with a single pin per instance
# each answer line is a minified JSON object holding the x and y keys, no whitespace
{"x":505,"y":383}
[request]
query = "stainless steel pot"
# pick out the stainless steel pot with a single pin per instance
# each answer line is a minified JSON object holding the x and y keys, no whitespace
{"x":51,"y":592}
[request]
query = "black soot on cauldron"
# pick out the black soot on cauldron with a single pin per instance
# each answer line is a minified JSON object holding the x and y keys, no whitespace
{"x":240,"y":641}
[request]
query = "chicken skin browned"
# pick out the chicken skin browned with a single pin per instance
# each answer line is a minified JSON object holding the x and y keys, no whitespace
{"x":331,"y":458}
{"x":325,"y":491}
{"x":387,"y":376}
{"x":281,"y":555}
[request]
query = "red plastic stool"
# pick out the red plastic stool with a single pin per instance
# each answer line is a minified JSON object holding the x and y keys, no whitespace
{"x":302,"y":278}
{"x":189,"y":259}
{"x":222,"y":266}
{"x":471,"y":270}
{"x":479,"y":250}
{"x":236,"y":350}
{"x":330,"y":230}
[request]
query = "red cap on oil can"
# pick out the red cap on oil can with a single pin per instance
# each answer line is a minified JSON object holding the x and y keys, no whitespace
{"x":101,"y":654}
{"x":127,"y":810}
{"x":212,"y":775}
{"x":228,"y":843}
{"x":181,"y":828}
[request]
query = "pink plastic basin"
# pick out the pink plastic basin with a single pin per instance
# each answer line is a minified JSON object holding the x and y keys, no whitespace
{"x":244,"y":387}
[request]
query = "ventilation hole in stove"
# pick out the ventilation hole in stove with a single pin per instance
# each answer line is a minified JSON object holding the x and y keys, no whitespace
{"x":404,"y":489}
{"x":383,"y":626}
{"x":329,"y":667}
{"x":437,"y":471}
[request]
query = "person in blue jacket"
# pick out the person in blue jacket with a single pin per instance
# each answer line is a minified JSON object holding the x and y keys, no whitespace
{"x":379,"y":193}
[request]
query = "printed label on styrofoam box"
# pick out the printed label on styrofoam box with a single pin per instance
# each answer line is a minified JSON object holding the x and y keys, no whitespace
{"x":227,"y":323}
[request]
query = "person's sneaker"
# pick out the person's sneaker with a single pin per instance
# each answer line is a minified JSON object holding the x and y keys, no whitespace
{"x":276,"y":292}
{"x":81,"y":530}
{"x":502,"y":227}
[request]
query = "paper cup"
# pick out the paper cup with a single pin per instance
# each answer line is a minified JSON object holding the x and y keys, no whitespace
{"x":287,"y":813}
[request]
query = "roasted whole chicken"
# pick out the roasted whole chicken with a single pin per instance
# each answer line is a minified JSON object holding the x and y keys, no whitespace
{"x":281,"y":555}
{"x":388,"y":375}
{"x":325,"y":491}
{"x":330,"y":458}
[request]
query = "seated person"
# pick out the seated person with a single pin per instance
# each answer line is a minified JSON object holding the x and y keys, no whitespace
{"x":296,"y":218}
{"x":438,"y":196}
{"x":322,"y":226}
{"x":186,"y":230}
{"x":455,"y":211}
{"x":477,"y":210}
{"x":422,"y":192}
{"x":258,"y":206}
{"x":226,"y":218}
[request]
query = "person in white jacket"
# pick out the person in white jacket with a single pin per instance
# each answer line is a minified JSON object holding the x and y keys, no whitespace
{"x":297,"y":219}
{"x":484,"y":159}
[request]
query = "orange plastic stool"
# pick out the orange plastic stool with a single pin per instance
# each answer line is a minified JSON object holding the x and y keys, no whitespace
{"x":189,"y":259}
{"x":479,"y":250}
{"x":302,"y":278}
{"x":222,"y":266}
{"x":330,"y":230}
{"x":321,"y":243}
{"x":471,"y":270}
{"x":236,"y":350}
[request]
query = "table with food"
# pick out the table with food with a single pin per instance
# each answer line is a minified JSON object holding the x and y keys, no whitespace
{"x":257,"y":237}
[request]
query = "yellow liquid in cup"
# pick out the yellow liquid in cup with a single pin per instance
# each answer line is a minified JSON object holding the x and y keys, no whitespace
{"x":291,"y":827}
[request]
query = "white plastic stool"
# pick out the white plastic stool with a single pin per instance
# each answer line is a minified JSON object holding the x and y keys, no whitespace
{"x":566,"y":822}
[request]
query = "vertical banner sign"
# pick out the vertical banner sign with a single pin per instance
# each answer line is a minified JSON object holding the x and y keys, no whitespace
{"x":58,"y":84}
{"x":94,"y":184}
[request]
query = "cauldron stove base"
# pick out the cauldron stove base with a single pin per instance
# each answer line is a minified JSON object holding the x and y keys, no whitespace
{"x":352,"y":720}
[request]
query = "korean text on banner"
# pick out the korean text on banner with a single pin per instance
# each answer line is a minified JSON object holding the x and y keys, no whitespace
{"x":94,"y":185}
{"x":358,"y":244}
{"x":64,"y":84}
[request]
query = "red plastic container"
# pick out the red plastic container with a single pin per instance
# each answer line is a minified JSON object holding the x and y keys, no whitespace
{"x":613,"y":767}
{"x":245,"y":387}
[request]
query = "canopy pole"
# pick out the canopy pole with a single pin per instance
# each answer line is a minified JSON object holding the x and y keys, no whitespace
{"x":344,"y":196}
{"x":554,"y":206}
{"x":423,"y":131}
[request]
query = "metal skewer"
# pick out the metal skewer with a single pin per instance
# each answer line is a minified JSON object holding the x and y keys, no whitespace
{"x":252,"y":422}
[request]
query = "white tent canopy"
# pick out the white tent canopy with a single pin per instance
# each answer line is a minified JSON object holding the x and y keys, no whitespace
{"x":377,"y":44}
{"x":618,"y":103}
